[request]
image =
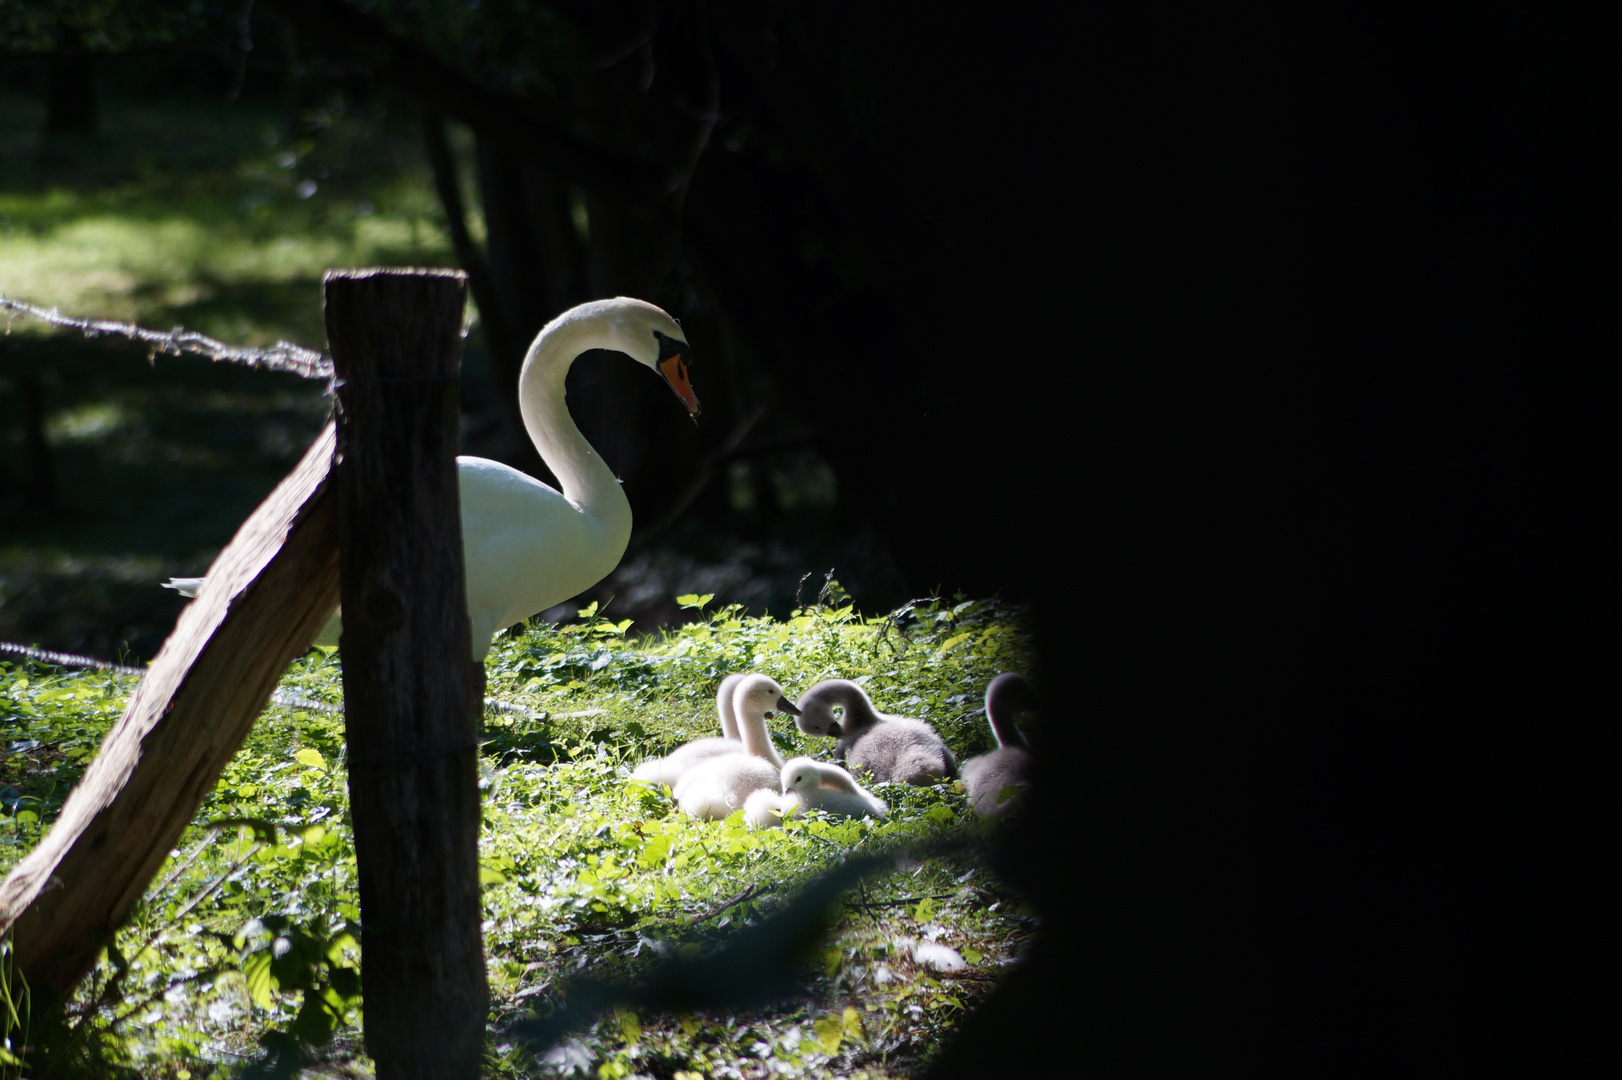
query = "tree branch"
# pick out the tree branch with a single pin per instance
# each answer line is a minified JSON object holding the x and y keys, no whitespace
{"x":415,"y":70}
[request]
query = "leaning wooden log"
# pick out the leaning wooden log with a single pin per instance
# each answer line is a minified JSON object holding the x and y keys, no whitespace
{"x":412,"y":693}
{"x":267,"y":595}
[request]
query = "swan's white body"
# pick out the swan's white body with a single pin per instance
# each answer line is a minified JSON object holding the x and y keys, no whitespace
{"x":821,"y":786}
{"x":526,"y":545}
{"x":669,"y":769}
{"x":718,"y":785}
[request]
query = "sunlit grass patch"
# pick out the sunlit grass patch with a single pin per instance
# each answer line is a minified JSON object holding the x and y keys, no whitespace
{"x":175,"y":208}
{"x":248,"y":932}
{"x":137,"y":269}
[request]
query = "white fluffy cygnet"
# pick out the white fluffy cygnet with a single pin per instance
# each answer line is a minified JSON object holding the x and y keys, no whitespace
{"x":896,"y":748}
{"x":669,"y":769}
{"x":986,"y":778}
{"x":766,"y":809}
{"x":821,"y":786}
{"x":717,"y":786}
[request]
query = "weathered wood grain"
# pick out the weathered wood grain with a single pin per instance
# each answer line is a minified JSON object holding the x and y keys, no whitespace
{"x":267,"y":595}
{"x":412,"y":696}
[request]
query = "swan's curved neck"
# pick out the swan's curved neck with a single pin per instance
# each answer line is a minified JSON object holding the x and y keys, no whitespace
{"x":1006,"y":698}
{"x":859,"y":710}
{"x":1007,"y":732}
{"x":756,"y":740}
{"x":585,"y":478}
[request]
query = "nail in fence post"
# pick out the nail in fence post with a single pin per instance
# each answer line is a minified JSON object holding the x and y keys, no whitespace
{"x":411,"y":691}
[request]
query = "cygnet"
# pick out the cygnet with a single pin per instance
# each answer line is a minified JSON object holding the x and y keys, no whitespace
{"x":723,"y":705}
{"x":1009,"y":766}
{"x":821,"y":786}
{"x":669,"y":769}
{"x":896,"y":748}
{"x":766,"y":808}
{"x":716,"y":786}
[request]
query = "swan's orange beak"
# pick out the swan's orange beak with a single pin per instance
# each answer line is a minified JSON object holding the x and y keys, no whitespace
{"x":674,"y":369}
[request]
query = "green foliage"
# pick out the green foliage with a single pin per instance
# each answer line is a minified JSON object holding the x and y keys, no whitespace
{"x":14,"y":1013}
{"x":106,"y":26}
{"x":247,"y":940}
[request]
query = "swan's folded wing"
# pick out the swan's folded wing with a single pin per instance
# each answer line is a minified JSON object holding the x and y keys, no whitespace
{"x":526,"y":546}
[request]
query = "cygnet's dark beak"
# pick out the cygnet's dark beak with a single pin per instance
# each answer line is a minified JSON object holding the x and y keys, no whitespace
{"x":835,"y":730}
{"x":673,"y":366}
{"x":785,"y":705}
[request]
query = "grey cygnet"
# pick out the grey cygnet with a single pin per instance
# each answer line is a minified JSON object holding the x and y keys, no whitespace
{"x":1009,"y":766}
{"x":896,"y":748}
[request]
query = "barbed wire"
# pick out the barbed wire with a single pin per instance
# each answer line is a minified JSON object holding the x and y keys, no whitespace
{"x":280,"y":697}
{"x":282,"y":356}
{"x":62,"y":659}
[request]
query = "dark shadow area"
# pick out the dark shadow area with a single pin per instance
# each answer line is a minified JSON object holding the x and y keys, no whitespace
{"x":1242,"y":348}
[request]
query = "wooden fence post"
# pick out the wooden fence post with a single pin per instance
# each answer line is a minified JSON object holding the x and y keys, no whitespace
{"x":412,"y":694}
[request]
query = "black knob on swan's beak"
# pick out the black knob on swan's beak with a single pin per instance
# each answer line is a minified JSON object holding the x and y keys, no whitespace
{"x":672,"y":364}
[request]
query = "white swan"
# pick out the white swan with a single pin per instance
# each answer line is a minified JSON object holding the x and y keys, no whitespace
{"x":895,"y":748}
{"x":526,"y":545}
{"x":986,"y":777}
{"x":718,"y":785}
{"x":821,"y":786}
{"x":669,"y":769}
{"x":529,"y":546}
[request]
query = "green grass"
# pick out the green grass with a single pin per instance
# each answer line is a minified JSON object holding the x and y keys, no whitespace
{"x":181,"y":212}
{"x":247,"y":935}
{"x":193,"y":212}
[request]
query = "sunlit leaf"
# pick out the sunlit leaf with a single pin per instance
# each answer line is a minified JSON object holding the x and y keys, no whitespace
{"x":256,"y":973}
{"x":630,"y":1026}
{"x":830,"y":1033}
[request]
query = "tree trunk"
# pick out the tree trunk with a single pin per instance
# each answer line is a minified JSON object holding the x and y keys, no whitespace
{"x":39,"y":468}
{"x":519,"y":287}
{"x":412,"y":696}
{"x":292,"y":103}
{"x":70,"y":96}
{"x":491,"y":313}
